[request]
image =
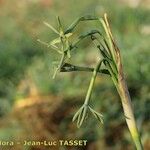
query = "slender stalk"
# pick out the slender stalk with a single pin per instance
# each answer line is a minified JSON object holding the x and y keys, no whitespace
{"x":81,"y":114}
{"x":59,"y":66}
{"x":77,"y":21}
{"x":92,"y":82}
{"x":70,"y":68}
{"x":83,"y":36}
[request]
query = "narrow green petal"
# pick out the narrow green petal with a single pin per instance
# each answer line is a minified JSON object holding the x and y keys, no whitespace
{"x":76,"y":115}
{"x":55,"y":41}
{"x":51,"y":27}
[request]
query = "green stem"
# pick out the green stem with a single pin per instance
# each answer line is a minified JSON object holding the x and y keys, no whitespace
{"x":92,"y":82}
{"x":81,"y":37}
{"x":128,"y":112}
{"x":60,"y":64}
{"x":77,"y":21}
{"x":69,"y":68}
{"x":111,"y":64}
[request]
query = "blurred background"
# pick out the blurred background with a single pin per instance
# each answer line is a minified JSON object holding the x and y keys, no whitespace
{"x":35,"y":107}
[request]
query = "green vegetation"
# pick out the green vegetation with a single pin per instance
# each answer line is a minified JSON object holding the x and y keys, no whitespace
{"x":27,"y":70}
{"x":109,"y":56}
